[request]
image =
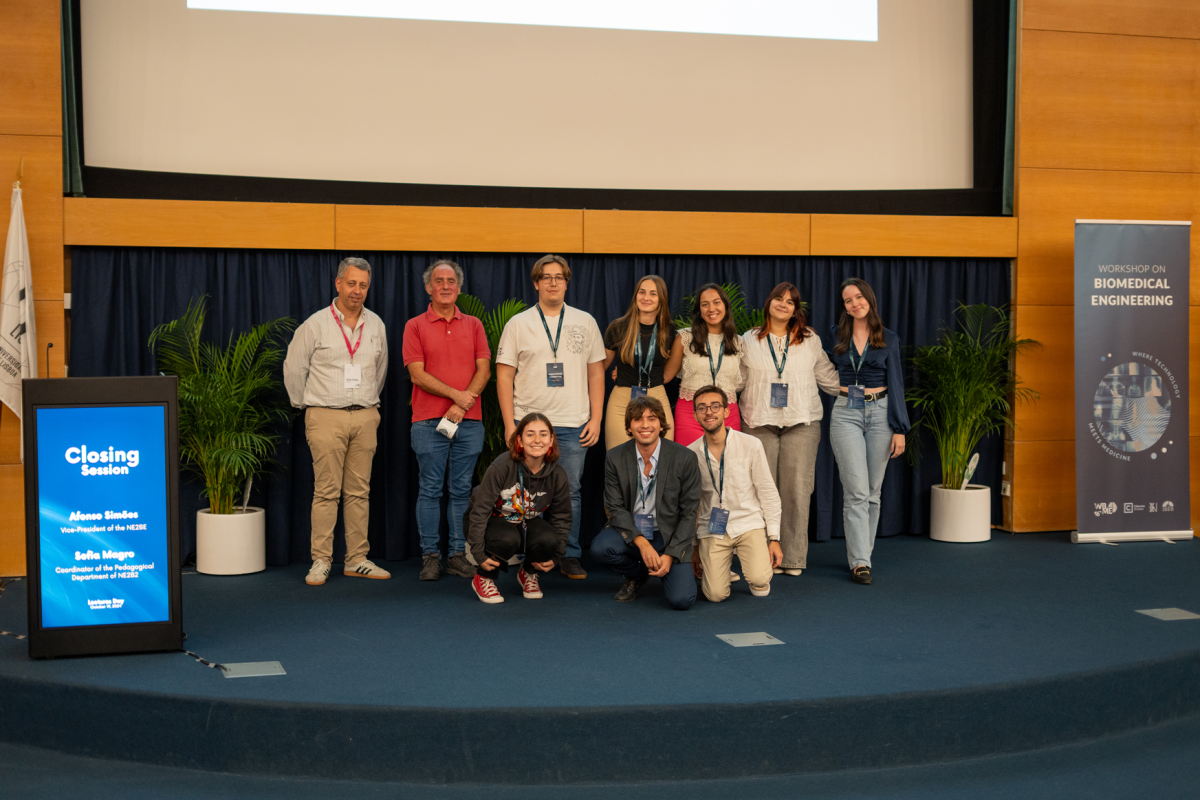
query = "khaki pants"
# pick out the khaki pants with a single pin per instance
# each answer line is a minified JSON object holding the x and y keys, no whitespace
{"x":792,"y":456}
{"x":716,"y":556}
{"x":614,"y":415}
{"x":343,"y":447}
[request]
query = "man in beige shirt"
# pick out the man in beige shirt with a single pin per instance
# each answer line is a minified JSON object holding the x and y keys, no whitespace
{"x":335,"y":369}
{"x":740,"y":508}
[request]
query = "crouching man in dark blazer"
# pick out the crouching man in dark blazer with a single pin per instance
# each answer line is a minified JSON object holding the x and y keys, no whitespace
{"x":652,"y":495}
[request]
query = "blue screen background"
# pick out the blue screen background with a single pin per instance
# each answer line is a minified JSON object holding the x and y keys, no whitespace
{"x":62,"y":490}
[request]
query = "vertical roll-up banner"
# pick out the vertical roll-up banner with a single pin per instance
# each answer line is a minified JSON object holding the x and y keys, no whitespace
{"x":1131,"y":380}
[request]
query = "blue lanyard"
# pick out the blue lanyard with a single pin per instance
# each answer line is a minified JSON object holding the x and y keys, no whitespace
{"x":719,"y":487}
{"x":644,"y":363}
{"x":778,"y":366}
{"x":720,"y":358}
{"x":554,"y":340}
{"x":861,"y":359}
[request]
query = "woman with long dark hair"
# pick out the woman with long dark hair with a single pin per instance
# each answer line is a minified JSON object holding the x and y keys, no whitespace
{"x":522,"y":505}
{"x":783,"y":364}
{"x":869,"y":419}
{"x":641,"y":342}
{"x":710,"y":354}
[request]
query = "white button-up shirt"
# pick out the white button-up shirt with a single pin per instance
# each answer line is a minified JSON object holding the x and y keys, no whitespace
{"x":314,"y":370}
{"x":750,"y":495}
{"x":808,"y":367}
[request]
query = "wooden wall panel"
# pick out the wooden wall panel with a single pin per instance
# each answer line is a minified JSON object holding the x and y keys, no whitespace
{"x":1194,"y":376}
{"x":12,"y":511}
{"x":41,"y":196}
{"x":884,"y":235}
{"x":1171,"y":18}
{"x":1194,"y":461}
{"x":1043,"y":480}
{"x":183,"y":223}
{"x":30,"y":69}
{"x":695,"y":233}
{"x":51,"y":329}
{"x":516,"y":230}
{"x":10,"y":437}
{"x":1050,"y":369}
{"x":1092,"y":101}
{"x":1051,"y":201}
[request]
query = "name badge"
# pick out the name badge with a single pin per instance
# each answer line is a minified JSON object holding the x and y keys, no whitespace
{"x":718,"y":520}
{"x":352,"y":376}
{"x":555,"y":375}
{"x":857,"y":398}
{"x":645,"y":524}
{"x":637,"y":391}
{"x":779,"y":395}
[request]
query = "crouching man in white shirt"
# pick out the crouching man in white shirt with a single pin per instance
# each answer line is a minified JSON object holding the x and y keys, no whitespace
{"x":739,"y":503}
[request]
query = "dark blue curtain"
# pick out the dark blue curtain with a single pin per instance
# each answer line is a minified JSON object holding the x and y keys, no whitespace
{"x":120,"y":294}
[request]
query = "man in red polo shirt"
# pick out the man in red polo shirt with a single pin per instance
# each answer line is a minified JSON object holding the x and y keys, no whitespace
{"x":447,"y":356}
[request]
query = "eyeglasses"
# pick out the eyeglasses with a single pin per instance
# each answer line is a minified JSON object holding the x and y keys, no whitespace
{"x":714,"y":408}
{"x":553,"y":279}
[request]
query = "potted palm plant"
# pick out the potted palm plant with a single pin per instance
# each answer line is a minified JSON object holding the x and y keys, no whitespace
{"x":493,"y":325}
{"x":231,"y":409}
{"x":965,"y":390}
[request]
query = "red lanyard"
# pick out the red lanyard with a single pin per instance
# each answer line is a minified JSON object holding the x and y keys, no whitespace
{"x":342,"y":328}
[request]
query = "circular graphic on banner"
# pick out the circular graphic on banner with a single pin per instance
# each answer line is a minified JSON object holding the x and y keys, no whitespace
{"x":1132,"y":411}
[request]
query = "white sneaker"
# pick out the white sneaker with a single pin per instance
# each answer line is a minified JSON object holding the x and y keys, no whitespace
{"x":318,"y":573}
{"x":761,"y":592}
{"x":367,"y":569}
{"x":792,"y":572}
{"x":734,"y":577}
{"x":777,"y":571}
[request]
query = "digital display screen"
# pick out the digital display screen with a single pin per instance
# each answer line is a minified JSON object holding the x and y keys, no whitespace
{"x":102,"y":506}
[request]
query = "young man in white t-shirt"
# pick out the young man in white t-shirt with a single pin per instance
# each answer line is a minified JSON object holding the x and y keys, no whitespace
{"x":551,"y":360}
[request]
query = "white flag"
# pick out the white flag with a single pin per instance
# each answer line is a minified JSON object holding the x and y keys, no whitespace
{"x":18,"y":333}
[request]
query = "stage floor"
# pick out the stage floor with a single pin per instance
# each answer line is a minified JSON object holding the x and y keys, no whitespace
{"x":956,"y":652}
{"x":939,"y":616}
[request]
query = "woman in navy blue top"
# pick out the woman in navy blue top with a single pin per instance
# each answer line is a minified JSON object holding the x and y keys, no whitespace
{"x":869,"y":420}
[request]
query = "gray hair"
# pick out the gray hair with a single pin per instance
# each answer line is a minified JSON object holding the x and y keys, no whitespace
{"x":444,"y":262}
{"x":360,"y":263}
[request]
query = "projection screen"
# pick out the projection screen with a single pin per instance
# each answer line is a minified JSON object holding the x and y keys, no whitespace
{"x":608,"y":96}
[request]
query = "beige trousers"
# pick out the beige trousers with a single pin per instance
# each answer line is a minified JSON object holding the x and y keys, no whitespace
{"x":614,"y":415}
{"x":716,"y":556}
{"x":343,"y":447}
{"x":792,"y":456}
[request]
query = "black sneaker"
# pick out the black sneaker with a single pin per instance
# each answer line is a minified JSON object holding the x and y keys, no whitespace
{"x":629,"y":590}
{"x":861,"y":574}
{"x":458,"y":565}
{"x":431,"y":570}
{"x":572,"y":569}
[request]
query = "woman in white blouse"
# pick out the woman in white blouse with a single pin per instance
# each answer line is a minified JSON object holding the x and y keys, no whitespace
{"x":711,"y":354}
{"x":783,"y":364}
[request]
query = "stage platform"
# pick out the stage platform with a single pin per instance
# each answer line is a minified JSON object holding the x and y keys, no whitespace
{"x":956,"y":652}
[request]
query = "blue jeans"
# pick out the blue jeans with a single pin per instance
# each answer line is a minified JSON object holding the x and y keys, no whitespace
{"x":862,"y":442}
{"x":571,"y":458}
{"x":433,"y":452}
{"x":679,"y":584}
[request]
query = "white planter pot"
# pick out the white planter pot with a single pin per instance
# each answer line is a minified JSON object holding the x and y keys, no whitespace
{"x":231,"y":544}
{"x":961,"y":515}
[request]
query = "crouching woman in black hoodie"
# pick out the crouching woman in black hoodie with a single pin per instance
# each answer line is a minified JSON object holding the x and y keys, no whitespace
{"x":522,"y":505}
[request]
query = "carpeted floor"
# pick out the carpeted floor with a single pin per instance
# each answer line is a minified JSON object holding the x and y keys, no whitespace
{"x":939,"y":616}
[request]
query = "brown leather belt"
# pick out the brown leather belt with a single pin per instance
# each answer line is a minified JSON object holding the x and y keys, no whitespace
{"x":351,"y":408}
{"x":869,"y":397}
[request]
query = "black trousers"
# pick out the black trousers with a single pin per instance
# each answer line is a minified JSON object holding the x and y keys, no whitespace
{"x":502,"y":541}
